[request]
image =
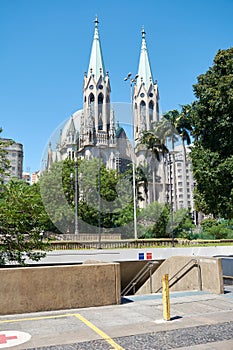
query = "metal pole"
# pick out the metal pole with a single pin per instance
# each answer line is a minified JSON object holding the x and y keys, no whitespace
{"x":150,"y":267}
{"x":76,"y":198}
{"x":134,"y":159}
{"x":133,"y":155}
{"x":134,"y":203}
{"x":199,"y":274}
{"x":171,"y":202}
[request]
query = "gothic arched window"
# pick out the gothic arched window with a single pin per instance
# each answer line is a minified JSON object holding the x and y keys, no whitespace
{"x":91,"y":98}
{"x":151,"y":112}
{"x":157,"y":111}
{"x":143,"y":114}
{"x":100,"y":111}
{"x":91,"y":103}
{"x":108,"y":111}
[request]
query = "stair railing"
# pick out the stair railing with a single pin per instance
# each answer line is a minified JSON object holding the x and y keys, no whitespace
{"x":182,"y":269}
{"x":132,"y":284}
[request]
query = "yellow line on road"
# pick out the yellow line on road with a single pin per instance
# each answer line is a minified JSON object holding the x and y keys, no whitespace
{"x":35,"y":318}
{"x":99,"y":332}
{"x":81,"y":318}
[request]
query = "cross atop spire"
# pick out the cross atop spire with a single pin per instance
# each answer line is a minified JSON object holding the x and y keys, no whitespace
{"x":144,"y":69}
{"x":96,"y":64}
{"x":96,"y":21}
{"x":96,"y":33}
{"x":143,"y":33}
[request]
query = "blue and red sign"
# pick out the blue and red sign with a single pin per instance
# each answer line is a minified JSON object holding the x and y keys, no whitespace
{"x":145,"y":256}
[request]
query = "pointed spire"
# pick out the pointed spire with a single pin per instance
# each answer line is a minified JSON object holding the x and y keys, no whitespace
{"x":144,"y":69}
{"x":50,"y":156}
{"x":96,"y":64}
{"x":71,"y":128}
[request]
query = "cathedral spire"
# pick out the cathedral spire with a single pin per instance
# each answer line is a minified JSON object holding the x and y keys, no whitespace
{"x":144,"y":69}
{"x":96,"y":64}
{"x":146,"y":94}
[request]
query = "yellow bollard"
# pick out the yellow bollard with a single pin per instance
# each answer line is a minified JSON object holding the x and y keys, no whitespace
{"x":166,"y":298}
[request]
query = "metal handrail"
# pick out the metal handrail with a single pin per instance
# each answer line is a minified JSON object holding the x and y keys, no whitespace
{"x":182,"y":268}
{"x":131,"y":285}
{"x":229,"y":277}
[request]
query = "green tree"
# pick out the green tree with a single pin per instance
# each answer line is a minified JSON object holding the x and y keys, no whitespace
{"x":212,"y":154}
{"x":154,"y":143}
{"x":114,"y":204}
{"x":170,"y":121}
{"x":58,"y":195}
{"x":22,"y":221}
{"x":216,"y":229}
{"x":116,"y":198}
{"x":184,"y":127}
{"x":183,"y":225}
{"x":154,"y":221}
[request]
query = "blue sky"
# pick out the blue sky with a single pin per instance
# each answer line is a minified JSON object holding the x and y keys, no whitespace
{"x":45,"y":47}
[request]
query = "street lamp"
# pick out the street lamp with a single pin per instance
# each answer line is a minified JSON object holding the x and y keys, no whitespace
{"x":99,"y":204}
{"x":76,"y":199}
{"x":132,"y":82}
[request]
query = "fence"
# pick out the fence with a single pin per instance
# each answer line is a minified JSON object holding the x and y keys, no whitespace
{"x":130,"y":244}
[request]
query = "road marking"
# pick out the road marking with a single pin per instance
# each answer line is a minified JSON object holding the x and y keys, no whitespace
{"x":13,"y":338}
{"x":35,"y":318}
{"x":99,"y":332}
{"x":81,"y":318}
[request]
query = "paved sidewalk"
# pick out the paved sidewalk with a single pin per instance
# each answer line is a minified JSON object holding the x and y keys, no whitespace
{"x":200,"y":321}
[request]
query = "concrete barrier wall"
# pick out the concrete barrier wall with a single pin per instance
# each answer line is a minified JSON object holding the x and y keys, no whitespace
{"x":208,"y":276}
{"x":32,"y":289}
{"x":211,"y":274}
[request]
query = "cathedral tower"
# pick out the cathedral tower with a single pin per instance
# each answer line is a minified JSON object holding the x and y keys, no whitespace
{"x":146,"y":112}
{"x":146,"y":95}
{"x":97,"y":124}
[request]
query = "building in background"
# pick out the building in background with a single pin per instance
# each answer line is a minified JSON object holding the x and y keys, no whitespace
{"x":15,"y":158}
{"x":181,"y":179}
{"x":27,"y":177}
{"x":35,"y":177}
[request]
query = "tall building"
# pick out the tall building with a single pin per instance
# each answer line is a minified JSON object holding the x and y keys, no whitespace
{"x":180,"y":178}
{"x":15,"y":157}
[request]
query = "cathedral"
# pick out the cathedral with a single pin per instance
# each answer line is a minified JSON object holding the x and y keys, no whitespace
{"x":94,"y":132}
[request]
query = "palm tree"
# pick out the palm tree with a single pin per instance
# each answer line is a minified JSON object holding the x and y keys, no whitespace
{"x":151,"y":140}
{"x":183,"y":127}
{"x":163,"y":131}
{"x":171,"y":117}
{"x":142,"y":178}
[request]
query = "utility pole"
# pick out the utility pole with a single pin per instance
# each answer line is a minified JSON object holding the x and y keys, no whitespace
{"x":132,"y":82}
{"x":76,"y":231}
